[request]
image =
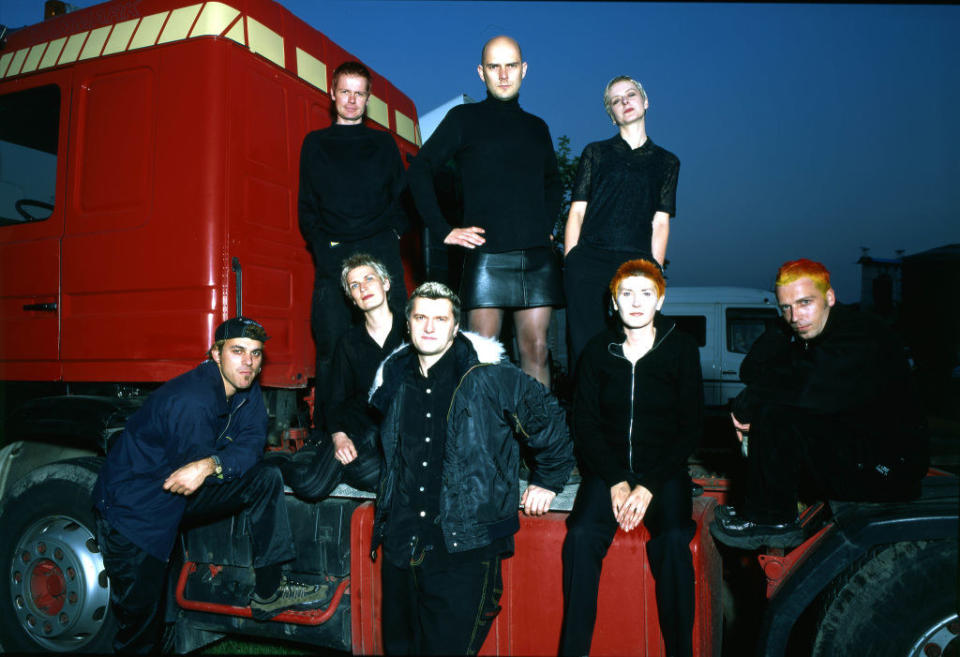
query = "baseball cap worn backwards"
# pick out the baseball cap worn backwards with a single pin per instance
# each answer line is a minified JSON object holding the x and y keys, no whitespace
{"x":240,"y":327}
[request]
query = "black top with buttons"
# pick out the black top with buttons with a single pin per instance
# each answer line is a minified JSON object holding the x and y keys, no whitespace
{"x":624,"y":188}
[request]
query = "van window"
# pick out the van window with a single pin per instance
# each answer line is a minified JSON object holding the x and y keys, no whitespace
{"x":29,"y":134}
{"x":745,"y":325}
{"x":694,"y":325}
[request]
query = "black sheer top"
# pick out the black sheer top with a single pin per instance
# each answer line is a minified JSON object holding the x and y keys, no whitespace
{"x":624,"y":188}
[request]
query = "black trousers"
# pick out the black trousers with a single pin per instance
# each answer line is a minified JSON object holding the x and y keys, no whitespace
{"x":586,"y":277}
{"x":138,"y":579}
{"x":332,"y":312}
{"x":590,"y":530}
{"x":442,"y":609}
{"x":793,"y":452}
{"x":313,"y":472}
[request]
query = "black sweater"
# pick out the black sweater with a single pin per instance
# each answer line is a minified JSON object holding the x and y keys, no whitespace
{"x":651,"y":412}
{"x":354,"y":365}
{"x":351,"y":178}
{"x":854,"y":372}
{"x":511,"y":185}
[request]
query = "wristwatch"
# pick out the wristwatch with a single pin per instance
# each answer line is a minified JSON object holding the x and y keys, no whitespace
{"x":217,"y":466}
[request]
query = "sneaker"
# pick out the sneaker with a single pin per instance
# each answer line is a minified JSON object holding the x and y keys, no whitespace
{"x":736,"y":531}
{"x":290,"y":595}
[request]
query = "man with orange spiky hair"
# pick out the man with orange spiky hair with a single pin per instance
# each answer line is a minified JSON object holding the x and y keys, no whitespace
{"x":829,"y":407}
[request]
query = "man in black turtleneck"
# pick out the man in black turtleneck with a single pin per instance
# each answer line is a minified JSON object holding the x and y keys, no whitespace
{"x":351,"y":179}
{"x":511,"y":193}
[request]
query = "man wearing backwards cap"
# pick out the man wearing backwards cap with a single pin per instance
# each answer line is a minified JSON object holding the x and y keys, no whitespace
{"x":194,"y":449}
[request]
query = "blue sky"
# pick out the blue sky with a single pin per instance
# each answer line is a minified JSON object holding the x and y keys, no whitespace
{"x":803,"y":130}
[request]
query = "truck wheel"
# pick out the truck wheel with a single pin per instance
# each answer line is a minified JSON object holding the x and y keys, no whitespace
{"x":54,"y":594}
{"x":900,"y":602}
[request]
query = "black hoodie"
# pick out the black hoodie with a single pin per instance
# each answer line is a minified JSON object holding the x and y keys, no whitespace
{"x":638,"y":422}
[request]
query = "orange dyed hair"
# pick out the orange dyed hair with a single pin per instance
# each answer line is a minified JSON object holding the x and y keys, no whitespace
{"x":638,"y":267}
{"x":794,"y":270}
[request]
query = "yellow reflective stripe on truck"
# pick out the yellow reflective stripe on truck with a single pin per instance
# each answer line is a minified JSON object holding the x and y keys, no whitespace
{"x":197,"y":20}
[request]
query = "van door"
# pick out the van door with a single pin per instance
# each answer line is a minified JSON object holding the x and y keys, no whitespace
{"x":743,"y":327}
{"x":34,"y":115}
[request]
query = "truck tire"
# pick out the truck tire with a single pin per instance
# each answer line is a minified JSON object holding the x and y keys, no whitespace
{"x":901,"y":602}
{"x":54,"y":593}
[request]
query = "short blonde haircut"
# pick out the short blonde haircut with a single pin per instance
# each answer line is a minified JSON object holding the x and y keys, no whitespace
{"x":606,"y":92}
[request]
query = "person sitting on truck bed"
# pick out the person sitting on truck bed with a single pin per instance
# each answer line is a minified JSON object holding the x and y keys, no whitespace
{"x":446,"y":511}
{"x":352,"y":453}
{"x":351,"y":182}
{"x":637,"y":417}
{"x":193,"y":450}
{"x":828,"y":405}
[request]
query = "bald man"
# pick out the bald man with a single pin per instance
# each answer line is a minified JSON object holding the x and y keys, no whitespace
{"x":511,"y":198}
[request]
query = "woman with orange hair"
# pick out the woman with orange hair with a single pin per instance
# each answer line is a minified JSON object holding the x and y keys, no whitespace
{"x":638,"y":413}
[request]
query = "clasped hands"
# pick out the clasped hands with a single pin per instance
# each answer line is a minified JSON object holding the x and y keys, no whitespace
{"x":629,"y":505}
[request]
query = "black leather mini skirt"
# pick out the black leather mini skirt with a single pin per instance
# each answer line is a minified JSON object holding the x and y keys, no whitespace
{"x":512,"y":279}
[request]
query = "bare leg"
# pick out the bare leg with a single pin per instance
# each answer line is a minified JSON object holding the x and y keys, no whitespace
{"x":532,"y":325}
{"x":485,"y":321}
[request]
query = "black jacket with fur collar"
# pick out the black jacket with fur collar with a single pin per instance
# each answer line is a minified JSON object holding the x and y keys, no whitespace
{"x":494,"y":406}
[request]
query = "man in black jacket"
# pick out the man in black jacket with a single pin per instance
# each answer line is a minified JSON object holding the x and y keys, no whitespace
{"x":351,"y":181}
{"x":447,"y":505}
{"x":829,"y":409}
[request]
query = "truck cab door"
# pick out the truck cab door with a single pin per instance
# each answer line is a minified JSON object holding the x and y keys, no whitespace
{"x":742,"y":327}
{"x":34,"y":116}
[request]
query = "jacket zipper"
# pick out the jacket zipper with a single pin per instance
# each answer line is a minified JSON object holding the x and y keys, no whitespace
{"x":633,"y":384}
{"x":230,"y":419}
{"x":460,"y":384}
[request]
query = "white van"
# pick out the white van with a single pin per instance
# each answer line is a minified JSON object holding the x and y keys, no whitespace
{"x":725,"y":321}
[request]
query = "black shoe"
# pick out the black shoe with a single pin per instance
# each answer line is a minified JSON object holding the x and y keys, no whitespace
{"x":725,"y":511}
{"x":289,"y":595}
{"x":737,"y":531}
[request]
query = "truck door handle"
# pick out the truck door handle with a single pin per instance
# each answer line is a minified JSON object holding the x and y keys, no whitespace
{"x":43,"y":307}
{"x":728,"y":372}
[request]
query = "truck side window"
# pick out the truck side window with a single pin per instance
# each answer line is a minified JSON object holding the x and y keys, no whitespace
{"x":745,"y":325}
{"x":694,"y":325}
{"x":29,"y":134}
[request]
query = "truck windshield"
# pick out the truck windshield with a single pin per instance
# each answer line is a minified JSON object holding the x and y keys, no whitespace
{"x":29,"y":134}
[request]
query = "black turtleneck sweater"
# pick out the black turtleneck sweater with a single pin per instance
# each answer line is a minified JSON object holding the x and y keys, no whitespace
{"x":511,"y":186}
{"x":351,"y":178}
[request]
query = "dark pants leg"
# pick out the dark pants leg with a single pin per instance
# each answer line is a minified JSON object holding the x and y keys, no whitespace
{"x":671,"y":529}
{"x":137,"y":583}
{"x":792,"y":451}
{"x":587,"y":274}
{"x":445,"y":610}
{"x":363,"y":472}
{"x":332,"y":312}
{"x":313,"y":472}
{"x":590,"y":531}
{"x":259,"y":493}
